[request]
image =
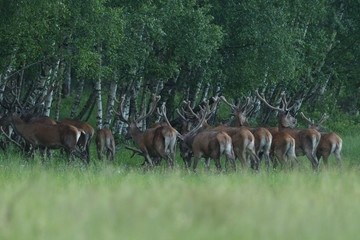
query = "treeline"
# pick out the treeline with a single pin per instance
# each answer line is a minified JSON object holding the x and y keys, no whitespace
{"x":181,"y":50}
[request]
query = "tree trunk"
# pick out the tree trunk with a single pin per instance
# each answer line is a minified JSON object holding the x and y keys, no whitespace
{"x":145,"y":122}
{"x":87,"y":105}
{"x":58,"y":101}
{"x":110,"y":104}
{"x":98,"y":104}
{"x":78,"y":98}
{"x":59,"y":78}
{"x":66,"y":87}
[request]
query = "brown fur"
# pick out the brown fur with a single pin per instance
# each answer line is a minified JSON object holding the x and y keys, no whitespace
{"x":85,"y":139}
{"x":45,"y":136}
{"x":105,"y":144}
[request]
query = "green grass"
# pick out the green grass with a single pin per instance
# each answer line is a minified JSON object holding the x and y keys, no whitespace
{"x":121,"y":201}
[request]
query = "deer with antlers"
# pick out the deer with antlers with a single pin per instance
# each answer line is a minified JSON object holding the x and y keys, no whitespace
{"x":242,"y":139}
{"x":153,"y":142}
{"x":40,"y":135}
{"x":210,"y":144}
{"x":330,"y":142}
{"x":263,"y":137}
{"x":44,"y":136}
{"x":306,"y":140}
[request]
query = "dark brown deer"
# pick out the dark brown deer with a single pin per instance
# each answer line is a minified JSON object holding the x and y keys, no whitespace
{"x":306,"y":140}
{"x":85,"y":139}
{"x":153,"y":142}
{"x":263,"y":137}
{"x":105,"y":144}
{"x":210,"y":144}
{"x":330,"y":142}
{"x":44,"y":136}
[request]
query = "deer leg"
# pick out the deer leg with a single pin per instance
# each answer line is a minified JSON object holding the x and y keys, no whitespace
{"x":241,"y":155}
{"x":267,"y":160}
{"x":100,"y":154}
{"x":218,"y":164}
{"x":254,"y":160}
{"x":281,"y":158}
{"x":196,"y":161}
{"x":42,"y":153}
{"x":313,"y":160}
{"x":325,"y":159}
{"x":338,"y":158}
{"x":207,"y":164}
{"x":230,"y":157}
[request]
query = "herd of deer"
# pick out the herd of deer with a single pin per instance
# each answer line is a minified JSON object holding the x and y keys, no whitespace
{"x":276,"y":144}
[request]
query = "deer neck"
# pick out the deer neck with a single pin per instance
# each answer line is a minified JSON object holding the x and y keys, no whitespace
{"x":206,"y":125}
{"x":19,"y":125}
{"x":241,"y":121}
{"x":136,"y":134}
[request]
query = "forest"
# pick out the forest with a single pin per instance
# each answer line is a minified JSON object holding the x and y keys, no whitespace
{"x":94,"y":50}
{"x":128,"y":66}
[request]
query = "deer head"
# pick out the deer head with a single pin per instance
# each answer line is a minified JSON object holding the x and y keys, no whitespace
{"x":241,"y":113}
{"x":285,"y":119}
{"x":317,"y":125}
{"x":133,"y":125}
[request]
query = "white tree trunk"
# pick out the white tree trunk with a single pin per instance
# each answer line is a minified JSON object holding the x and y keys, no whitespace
{"x":98,"y":100}
{"x":78,"y":98}
{"x":110,"y":104}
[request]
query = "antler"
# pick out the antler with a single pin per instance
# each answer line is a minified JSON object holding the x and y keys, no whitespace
{"x":231,"y":105}
{"x":121,"y":113}
{"x":206,"y":108}
{"x":266,"y":103}
{"x":236,"y":108}
{"x":50,"y":89}
{"x":311,"y":122}
{"x":155,"y":100}
{"x":323,"y":119}
{"x":135,"y":151}
{"x":162,"y":113}
{"x":284,"y":108}
{"x":286,"y":103}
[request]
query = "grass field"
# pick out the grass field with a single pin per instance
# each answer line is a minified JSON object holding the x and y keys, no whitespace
{"x":120,"y":201}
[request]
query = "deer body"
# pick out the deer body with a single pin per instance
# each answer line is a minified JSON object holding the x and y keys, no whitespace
{"x":263,"y":137}
{"x":213,"y":144}
{"x":306,"y":140}
{"x":105,"y":144}
{"x":283,"y":147}
{"x":153,"y":142}
{"x":243,"y":143}
{"x":85,"y":139}
{"x":46,"y":136}
{"x":330,"y":142}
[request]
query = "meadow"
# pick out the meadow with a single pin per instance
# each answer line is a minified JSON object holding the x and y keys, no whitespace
{"x":121,"y":201}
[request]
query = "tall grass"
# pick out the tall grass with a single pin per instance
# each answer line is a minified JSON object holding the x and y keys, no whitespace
{"x":121,"y":201}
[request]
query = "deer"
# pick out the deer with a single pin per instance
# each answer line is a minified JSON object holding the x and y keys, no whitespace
{"x":263,"y":137}
{"x":85,"y":139}
{"x":330,"y":142}
{"x":306,"y":140}
{"x":209,"y":144}
{"x":44,"y":136}
{"x":283,"y":148}
{"x":153,"y":142}
{"x":242,"y":139}
{"x":105,"y":144}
